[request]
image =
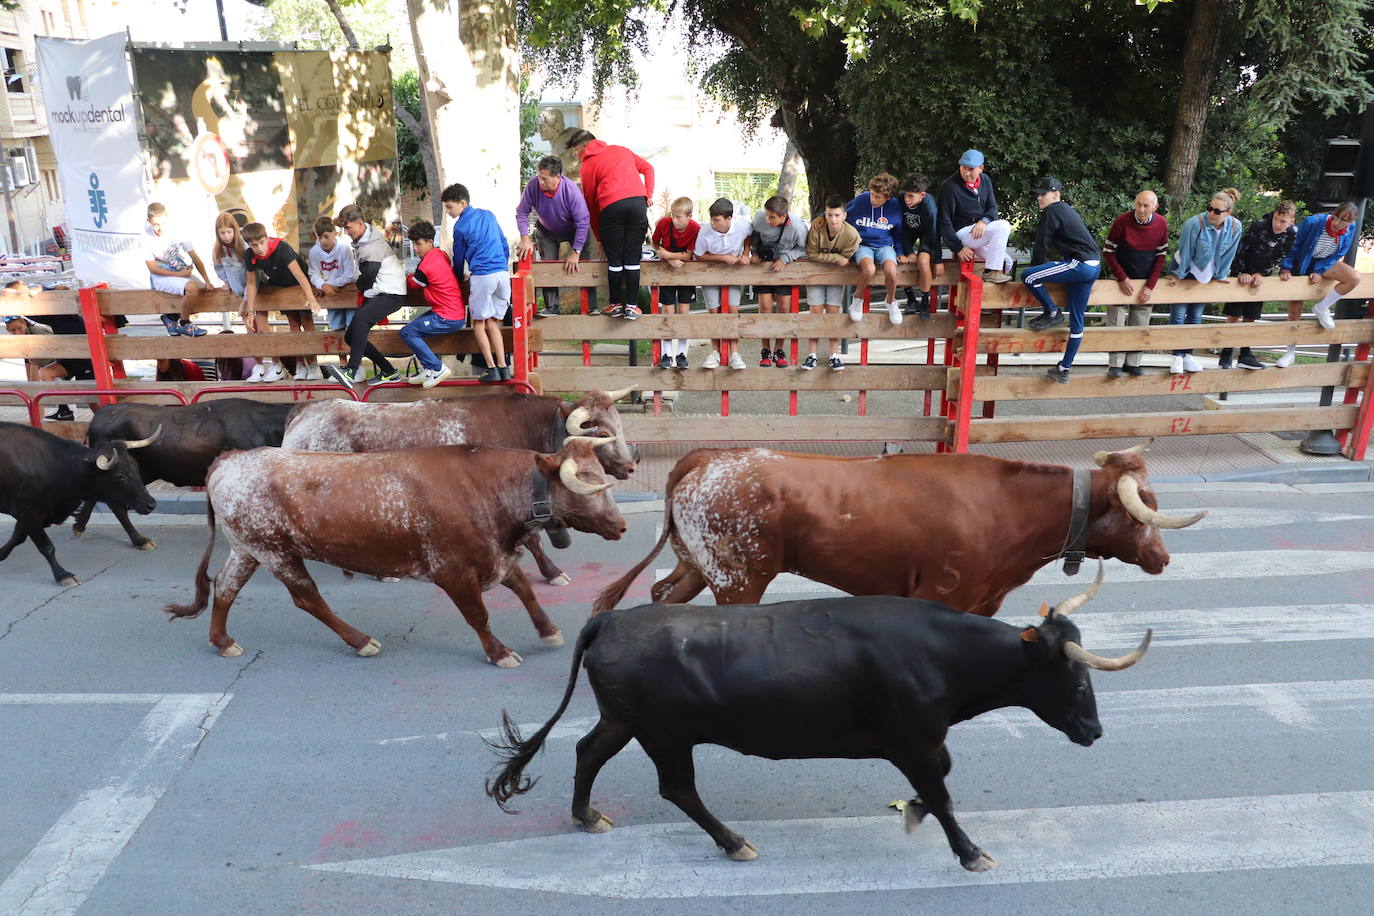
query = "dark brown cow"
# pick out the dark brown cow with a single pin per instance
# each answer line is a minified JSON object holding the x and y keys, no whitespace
{"x":963,"y":530}
{"x":508,"y":420}
{"x":452,"y":515}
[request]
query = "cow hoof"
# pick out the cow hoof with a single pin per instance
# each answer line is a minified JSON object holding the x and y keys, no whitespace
{"x":233,"y":650}
{"x":912,"y":815}
{"x":372,"y":648}
{"x":149,"y":544}
{"x":560,"y":579}
{"x":602,"y":824}
{"x":387,"y":579}
{"x":983,"y":862}
{"x":553,"y":639}
{"x":509,"y":660}
{"x":746,"y":853}
{"x":69,"y":582}
{"x":77,"y":532}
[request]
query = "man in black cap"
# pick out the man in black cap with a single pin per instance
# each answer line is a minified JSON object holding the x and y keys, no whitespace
{"x":1062,"y":233}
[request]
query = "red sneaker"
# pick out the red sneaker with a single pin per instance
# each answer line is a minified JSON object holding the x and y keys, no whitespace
{"x":766,"y":357}
{"x":780,"y":359}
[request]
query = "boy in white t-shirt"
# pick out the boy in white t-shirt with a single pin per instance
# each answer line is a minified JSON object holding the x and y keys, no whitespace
{"x":332,"y":267}
{"x":169,"y":271}
{"x":726,"y":240}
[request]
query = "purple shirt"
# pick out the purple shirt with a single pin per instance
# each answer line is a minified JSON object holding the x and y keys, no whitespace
{"x":562,"y":215}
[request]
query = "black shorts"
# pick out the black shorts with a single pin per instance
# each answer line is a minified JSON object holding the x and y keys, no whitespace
{"x":1250,"y":311}
{"x":78,"y":368}
{"x":677,"y":295}
{"x":774,"y":290}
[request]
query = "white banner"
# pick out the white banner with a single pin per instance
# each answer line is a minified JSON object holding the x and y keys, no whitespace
{"x":93,"y":123}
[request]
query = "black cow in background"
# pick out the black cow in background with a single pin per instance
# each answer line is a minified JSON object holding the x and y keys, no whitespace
{"x":47,"y":477}
{"x":193,"y":437}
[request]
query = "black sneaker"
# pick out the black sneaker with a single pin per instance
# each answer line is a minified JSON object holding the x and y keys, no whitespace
{"x":1224,"y":359}
{"x":681,"y":361}
{"x":809,"y":363}
{"x":63,"y":414}
{"x":492,"y":374}
{"x":548,"y":311}
{"x":1059,"y":374}
{"x":385,"y":375}
{"x":505,"y":373}
{"x":1133,"y":371}
{"x":836,"y":364}
{"x":923,"y":307}
{"x":1044,"y":322}
{"x":338,"y":374}
{"x":1248,"y":361}
{"x":1115,"y":372}
{"x":665,"y":361}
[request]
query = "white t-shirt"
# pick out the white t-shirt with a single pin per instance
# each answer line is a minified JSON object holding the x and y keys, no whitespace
{"x":166,"y":250}
{"x":731,"y":241}
{"x":337,"y":268}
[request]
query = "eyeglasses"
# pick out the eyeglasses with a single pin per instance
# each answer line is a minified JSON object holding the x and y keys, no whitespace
{"x":1218,"y":212}
{"x":8,"y":318}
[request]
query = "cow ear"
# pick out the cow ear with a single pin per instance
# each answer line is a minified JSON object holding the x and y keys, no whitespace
{"x":547,"y":465}
{"x":1044,"y":609}
{"x":1030,"y":634}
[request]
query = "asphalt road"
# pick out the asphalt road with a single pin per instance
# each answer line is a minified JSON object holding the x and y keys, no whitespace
{"x":145,"y":774}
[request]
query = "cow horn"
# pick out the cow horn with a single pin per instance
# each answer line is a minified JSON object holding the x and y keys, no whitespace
{"x":623,"y":392}
{"x":1100,"y":458}
{"x":567,"y":472}
{"x":1128,"y":489}
{"x":577,"y":419}
{"x":1069,"y":605}
{"x":105,"y":463}
{"x":593,"y":441}
{"x":140,"y":443}
{"x":1074,"y":652}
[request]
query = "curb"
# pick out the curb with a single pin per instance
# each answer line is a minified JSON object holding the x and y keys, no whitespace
{"x":1346,"y":472}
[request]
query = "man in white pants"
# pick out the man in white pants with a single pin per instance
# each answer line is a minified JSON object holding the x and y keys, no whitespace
{"x":968,"y":217}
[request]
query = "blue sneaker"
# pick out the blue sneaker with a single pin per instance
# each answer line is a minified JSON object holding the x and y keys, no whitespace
{"x":186,"y":329}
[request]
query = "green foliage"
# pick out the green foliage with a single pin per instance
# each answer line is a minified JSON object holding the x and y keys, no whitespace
{"x":310,"y":24}
{"x":410,"y":165}
{"x":529,"y":127}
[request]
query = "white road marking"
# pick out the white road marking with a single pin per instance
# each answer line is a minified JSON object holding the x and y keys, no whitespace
{"x":58,"y":874}
{"x":1220,"y":517}
{"x":826,"y":855}
{"x":438,"y":736}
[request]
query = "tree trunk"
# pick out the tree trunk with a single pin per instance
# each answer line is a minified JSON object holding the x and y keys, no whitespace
{"x":421,"y":134}
{"x":1200,"y":56}
{"x":792,"y":166}
{"x":337,"y":9}
{"x":471,"y":91}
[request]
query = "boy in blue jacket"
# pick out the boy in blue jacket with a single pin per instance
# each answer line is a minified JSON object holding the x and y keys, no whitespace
{"x":878,"y":217}
{"x":479,"y":243}
{"x":1323,"y":240}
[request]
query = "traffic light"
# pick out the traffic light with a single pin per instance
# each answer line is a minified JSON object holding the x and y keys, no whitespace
{"x":1340,"y":168}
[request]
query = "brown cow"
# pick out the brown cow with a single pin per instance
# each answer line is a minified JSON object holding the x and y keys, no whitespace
{"x":452,"y":515}
{"x":963,"y":530}
{"x":507,"y":420}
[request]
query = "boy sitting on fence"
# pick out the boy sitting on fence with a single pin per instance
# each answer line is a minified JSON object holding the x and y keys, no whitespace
{"x":280,"y":267}
{"x":878,"y":217}
{"x":434,"y":274}
{"x":170,"y":272}
{"x":778,"y":238}
{"x":332,"y":267}
{"x":832,"y":240}
{"x":674,"y":239}
{"x":725,"y":240}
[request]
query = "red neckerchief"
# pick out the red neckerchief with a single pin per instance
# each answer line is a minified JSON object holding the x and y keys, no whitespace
{"x":271,"y":247}
{"x":1334,"y":235}
{"x":974,"y":186}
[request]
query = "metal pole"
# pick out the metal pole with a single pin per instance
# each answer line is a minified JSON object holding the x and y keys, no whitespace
{"x":223,"y":30}
{"x":7,"y":177}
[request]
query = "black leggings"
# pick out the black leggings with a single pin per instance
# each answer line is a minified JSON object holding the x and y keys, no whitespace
{"x":364,"y":317}
{"x":623,"y":227}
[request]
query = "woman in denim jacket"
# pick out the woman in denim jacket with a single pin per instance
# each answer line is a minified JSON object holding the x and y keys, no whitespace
{"x":1207,"y":244}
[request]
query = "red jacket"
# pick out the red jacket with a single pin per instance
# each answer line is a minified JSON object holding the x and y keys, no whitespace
{"x":434,"y":274}
{"x":612,"y":173}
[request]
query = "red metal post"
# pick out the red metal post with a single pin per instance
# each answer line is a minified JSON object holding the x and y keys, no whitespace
{"x":792,"y":395}
{"x":863,"y":350}
{"x":95,"y":339}
{"x":520,"y":325}
{"x":586,"y":344}
{"x":967,"y":361}
{"x":35,"y":412}
{"x":724,"y":348}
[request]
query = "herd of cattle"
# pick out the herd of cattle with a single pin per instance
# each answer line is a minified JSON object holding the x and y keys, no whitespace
{"x":450,"y":491}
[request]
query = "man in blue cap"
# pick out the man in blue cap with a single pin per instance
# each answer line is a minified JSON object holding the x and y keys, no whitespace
{"x":969,"y":223}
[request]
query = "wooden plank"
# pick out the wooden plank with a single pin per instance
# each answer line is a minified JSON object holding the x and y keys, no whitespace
{"x":781,"y":430}
{"x":1114,"y":426}
{"x":1177,"y":336}
{"x":44,"y":346}
{"x":1092,"y":382}
{"x":732,"y":327}
{"x":1106,"y":292}
{"x":286,"y":343}
{"x":151,"y":302}
{"x":710,"y":273}
{"x":870,"y":378}
{"x":266,"y":392}
{"x":48,"y":302}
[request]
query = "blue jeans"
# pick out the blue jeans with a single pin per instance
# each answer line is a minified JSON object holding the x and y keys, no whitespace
{"x":1185,"y":313}
{"x":428,"y":325}
{"x":1078,"y":278}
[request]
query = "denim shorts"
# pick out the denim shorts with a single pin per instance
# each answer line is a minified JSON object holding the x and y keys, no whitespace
{"x":880,"y":255}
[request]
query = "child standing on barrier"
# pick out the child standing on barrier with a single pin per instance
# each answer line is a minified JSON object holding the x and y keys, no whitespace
{"x":778,"y":239}
{"x":332,"y":267}
{"x":831,"y":241}
{"x":1063,"y":233}
{"x":674,"y":239}
{"x":1322,"y":242}
{"x":479,"y":243}
{"x":434,"y":274}
{"x":726,"y":241}
{"x":1207,"y":245}
{"x":878,"y":217}
{"x":280,"y":268}
{"x":1262,"y":248}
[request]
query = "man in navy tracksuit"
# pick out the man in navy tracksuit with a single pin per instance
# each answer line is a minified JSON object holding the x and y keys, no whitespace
{"x":1062,"y":232}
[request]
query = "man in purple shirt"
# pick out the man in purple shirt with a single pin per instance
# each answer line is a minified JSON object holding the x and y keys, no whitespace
{"x":562,"y":217}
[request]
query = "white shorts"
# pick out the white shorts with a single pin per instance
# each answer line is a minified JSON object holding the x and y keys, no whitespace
{"x":490,"y":296}
{"x":824,"y":295}
{"x":174,"y":285}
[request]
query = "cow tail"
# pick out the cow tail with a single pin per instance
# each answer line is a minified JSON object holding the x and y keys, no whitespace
{"x":202,"y":576}
{"x":518,"y":752}
{"x":610,"y":596}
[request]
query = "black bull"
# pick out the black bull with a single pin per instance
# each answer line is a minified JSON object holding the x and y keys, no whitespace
{"x":871,"y":677}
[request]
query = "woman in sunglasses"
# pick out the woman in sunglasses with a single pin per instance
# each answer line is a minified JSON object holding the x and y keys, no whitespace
{"x":1207,"y":245}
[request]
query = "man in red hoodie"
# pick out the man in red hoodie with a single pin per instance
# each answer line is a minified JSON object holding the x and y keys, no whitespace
{"x":617,"y":185}
{"x":434,"y":274}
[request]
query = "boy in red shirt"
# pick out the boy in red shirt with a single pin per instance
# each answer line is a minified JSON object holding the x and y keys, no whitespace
{"x":434,"y":274}
{"x":674,"y":238}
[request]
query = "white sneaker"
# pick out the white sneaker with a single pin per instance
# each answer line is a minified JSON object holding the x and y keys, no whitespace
{"x":1322,"y":312}
{"x":273,"y":373}
{"x":435,"y":376}
{"x":313,"y":374}
{"x":419,"y":377}
{"x":1287,"y":358}
{"x":856,"y":309}
{"x":736,"y":361}
{"x":359,"y":375}
{"x":1176,"y":367}
{"x":712,"y":360}
{"x":894,"y":312}
{"x":1190,"y":364}
{"x":256,"y":375}
{"x":302,"y":373}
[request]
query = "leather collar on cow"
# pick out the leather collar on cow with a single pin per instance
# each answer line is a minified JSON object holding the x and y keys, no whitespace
{"x":1075,"y":545}
{"x":541,"y":511}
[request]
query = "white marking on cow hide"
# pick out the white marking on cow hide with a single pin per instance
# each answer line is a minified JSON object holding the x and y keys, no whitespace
{"x":342,"y":425}
{"x":715,"y":530}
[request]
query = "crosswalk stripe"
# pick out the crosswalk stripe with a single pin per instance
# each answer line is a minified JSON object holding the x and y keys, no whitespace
{"x":826,"y":855}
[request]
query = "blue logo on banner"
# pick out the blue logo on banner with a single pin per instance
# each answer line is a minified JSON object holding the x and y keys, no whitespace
{"x":99,"y":209}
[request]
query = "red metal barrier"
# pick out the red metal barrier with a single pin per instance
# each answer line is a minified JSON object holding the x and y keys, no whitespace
{"x":35,"y":413}
{"x":107,"y":396}
{"x":95,"y":339}
{"x":294,"y":389}
{"x":960,"y":409}
{"x":524,"y":385}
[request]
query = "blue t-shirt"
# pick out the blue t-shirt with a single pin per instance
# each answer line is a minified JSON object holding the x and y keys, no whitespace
{"x":878,"y":226}
{"x":478,"y":240}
